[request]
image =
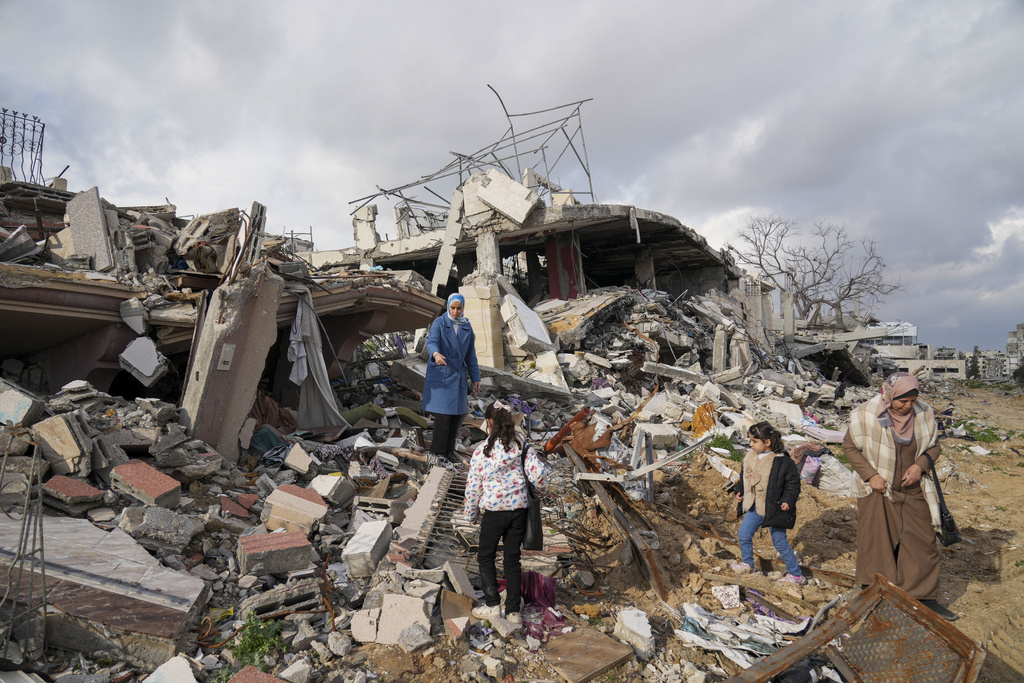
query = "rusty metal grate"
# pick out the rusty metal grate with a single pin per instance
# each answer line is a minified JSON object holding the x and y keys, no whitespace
{"x":891,"y":646}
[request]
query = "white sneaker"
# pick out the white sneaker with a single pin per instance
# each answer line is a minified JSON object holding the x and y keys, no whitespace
{"x":487,"y":613}
{"x":514,"y":618}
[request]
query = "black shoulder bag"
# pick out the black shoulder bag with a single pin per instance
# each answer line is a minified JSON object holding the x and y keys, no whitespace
{"x":534,"y":537}
{"x":948,"y":533}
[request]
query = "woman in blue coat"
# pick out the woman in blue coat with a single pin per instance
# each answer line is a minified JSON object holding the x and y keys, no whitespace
{"x":452,"y":348}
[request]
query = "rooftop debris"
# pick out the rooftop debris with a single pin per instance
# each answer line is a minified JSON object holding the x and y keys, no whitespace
{"x":227,"y":434}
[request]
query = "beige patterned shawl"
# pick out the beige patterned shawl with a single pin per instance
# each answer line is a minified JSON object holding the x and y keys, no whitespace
{"x":879,"y":449}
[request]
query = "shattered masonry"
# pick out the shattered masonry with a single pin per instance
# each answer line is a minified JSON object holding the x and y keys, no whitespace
{"x":217,"y":425}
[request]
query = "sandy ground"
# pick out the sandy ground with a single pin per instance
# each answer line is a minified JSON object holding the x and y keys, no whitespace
{"x":982,"y":578}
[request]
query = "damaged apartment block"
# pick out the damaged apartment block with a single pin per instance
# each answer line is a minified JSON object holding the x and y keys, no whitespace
{"x":208,"y":432}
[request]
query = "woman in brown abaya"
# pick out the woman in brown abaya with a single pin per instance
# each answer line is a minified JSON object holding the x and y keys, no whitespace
{"x":896,"y":517}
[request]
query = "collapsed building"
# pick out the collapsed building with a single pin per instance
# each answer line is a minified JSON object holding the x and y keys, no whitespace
{"x":202,"y":425}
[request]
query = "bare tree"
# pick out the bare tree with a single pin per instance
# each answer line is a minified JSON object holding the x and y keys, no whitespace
{"x":824,"y":268}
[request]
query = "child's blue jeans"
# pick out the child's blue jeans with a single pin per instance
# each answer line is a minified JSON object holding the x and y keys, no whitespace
{"x":749,"y":526}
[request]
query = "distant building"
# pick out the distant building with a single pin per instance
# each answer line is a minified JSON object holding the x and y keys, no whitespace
{"x":1015,"y":343}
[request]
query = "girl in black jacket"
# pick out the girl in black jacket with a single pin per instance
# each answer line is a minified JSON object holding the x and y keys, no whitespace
{"x":768,"y":488}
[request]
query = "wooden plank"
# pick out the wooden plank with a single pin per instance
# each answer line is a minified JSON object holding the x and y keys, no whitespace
{"x":581,"y":656}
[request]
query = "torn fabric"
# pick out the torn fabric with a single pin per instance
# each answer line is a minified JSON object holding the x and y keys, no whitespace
{"x":317,"y":405}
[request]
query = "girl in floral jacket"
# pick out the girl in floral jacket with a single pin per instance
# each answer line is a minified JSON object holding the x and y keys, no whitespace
{"x":496,"y":487}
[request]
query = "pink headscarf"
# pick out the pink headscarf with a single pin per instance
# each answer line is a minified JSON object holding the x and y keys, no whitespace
{"x":895,"y":386}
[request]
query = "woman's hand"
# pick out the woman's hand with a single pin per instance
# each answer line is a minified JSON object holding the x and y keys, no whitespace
{"x":877,"y":483}
{"x":785,"y":507}
{"x":438,"y":358}
{"x":476,"y":388}
{"x":739,"y":496}
{"x":912,"y":475}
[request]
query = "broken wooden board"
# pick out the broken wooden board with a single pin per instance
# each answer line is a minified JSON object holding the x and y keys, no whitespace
{"x":456,"y":613}
{"x":581,"y":656}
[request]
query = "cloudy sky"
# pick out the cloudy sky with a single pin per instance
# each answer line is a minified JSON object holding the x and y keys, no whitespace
{"x":902,"y":120}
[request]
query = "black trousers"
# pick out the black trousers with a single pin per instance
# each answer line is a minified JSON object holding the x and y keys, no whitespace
{"x":508,"y":526}
{"x":446,"y":429}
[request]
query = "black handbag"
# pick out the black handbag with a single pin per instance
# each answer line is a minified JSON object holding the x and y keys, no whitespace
{"x":534,"y":537}
{"x":948,"y":533}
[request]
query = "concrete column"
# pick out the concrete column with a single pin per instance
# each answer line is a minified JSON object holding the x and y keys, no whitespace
{"x":788,"y":317}
{"x":452,"y":232}
{"x":644,"y":269}
{"x":720,"y":350}
{"x":488,"y":254}
{"x":228,"y":358}
{"x":364,"y":225}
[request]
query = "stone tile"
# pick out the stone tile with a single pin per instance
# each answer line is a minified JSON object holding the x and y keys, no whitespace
{"x":277,"y":553}
{"x":146,"y":484}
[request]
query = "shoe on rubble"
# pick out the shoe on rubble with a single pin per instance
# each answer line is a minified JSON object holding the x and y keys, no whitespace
{"x":934,"y":606}
{"x":487,"y":612}
{"x":514,"y":618}
{"x":793,"y":578}
{"x":742,"y":568}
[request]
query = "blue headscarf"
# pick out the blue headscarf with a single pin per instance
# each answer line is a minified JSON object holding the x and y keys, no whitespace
{"x":456,"y":322}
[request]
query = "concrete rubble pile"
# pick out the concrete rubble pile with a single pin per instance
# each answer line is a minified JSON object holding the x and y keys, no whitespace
{"x":230,"y":493}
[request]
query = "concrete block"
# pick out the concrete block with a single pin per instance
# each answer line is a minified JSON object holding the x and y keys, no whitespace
{"x":460,"y":579}
{"x":160,"y":524}
{"x":298,"y":671}
{"x":278,"y":553}
{"x":791,"y":411}
{"x":415,"y":637}
{"x":366,"y":548}
{"x":336,"y":490}
{"x":546,"y":369}
{"x":509,"y":198}
{"x":632,"y":628}
{"x":293,"y":508}
{"x":663,"y":436}
{"x":397,"y":613}
{"x":392,"y":510}
{"x":298,"y":460}
{"x":89,"y":230}
{"x":146,"y":484}
{"x":19,"y":408}
{"x":142,"y":360}
{"x":174,"y":670}
{"x":526,"y":329}
{"x":364,"y":625}
{"x":64,"y":445}
{"x":133,"y":313}
{"x":304,"y":595}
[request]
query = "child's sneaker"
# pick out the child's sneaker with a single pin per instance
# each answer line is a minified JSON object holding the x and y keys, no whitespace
{"x":793,"y":578}
{"x":514,"y":618}
{"x":742,"y":568}
{"x":487,"y":612}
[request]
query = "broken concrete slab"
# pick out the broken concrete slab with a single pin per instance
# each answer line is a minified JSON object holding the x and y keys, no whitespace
{"x":633,"y":628}
{"x":109,"y":593}
{"x":88,"y":232}
{"x":65,"y":446}
{"x":146,"y":484}
{"x":397,"y":613}
{"x":73,"y":496}
{"x":277,"y":553}
{"x":144,"y":362}
{"x":509,"y":198}
{"x":526,"y":329}
{"x":161,"y":525}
